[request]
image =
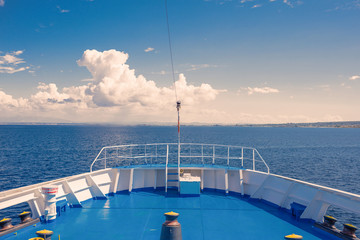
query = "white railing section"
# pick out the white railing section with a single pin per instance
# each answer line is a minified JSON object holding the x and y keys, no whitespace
{"x":190,"y":154}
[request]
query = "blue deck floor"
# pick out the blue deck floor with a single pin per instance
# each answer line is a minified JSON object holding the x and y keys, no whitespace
{"x":139,"y":215}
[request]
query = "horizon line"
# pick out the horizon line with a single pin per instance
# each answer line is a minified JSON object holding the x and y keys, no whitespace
{"x":175,"y":124}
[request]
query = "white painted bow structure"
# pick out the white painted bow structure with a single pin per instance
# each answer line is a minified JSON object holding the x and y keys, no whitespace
{"x":225,"y":168}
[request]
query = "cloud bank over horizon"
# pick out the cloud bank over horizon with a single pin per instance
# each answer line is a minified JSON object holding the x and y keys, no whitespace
{"x":114,"y":92}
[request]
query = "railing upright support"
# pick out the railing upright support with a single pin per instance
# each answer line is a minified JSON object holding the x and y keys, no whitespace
{"x":130,"y":154}
{"x":267,"y":167}
{"x":151,"y":157}
{"x":213,"y":162}
{"x":254,"y":159}
{"x":167,"y":154}
{"x":228,"y":157}
{"x":242,"y":157}
{"x":202,"y":154}
{"x":145,"y":155}
{"x":105,"y":158}
{"x":117,"y":156}
{"x":92,"y":164}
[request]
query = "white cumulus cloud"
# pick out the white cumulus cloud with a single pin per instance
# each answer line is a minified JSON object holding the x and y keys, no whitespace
{"x":113,"y":90}
{"x":263,"y":90}
{"x":7,"y":101}
{"x":354,"y":77}
{"x":115,"y":84}
{"x":149,"y":49}
{"x":2,"y":3}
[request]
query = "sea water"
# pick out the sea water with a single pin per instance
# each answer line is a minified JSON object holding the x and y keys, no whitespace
{"x":325,"y":156}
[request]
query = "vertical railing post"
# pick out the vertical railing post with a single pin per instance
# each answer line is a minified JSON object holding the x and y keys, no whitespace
{"x":167,"y":154}
{"x":105,"y":158}
{"x":242,"y":157}
{"x":213,"y":162}
{"x":254,"y":159}
{"x":151,"y":157}
{"x":156,"y":153}
{"x":202,"y":154}
{"x":228,"y":157}
{"x":130,"y":154}
{"x":117,"y":156}
{"x":145,"y":155}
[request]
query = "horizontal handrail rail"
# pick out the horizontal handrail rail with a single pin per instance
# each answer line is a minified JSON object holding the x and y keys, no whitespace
{"x":201,"y":151}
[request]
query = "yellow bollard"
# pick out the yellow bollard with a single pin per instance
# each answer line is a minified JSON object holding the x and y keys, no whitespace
{"x":5,"y":224}
{"x":293,"y":236}
{"x":46,"y":234}
{"x":171,"y":228}
{"x":25,"y":217}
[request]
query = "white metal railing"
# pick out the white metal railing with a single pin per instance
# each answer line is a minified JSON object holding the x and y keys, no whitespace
{"x":190,"y":154}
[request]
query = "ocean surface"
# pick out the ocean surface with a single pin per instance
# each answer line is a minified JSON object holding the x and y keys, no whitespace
{"x":325,"y":156}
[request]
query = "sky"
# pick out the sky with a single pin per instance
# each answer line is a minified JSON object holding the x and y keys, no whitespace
{"x":235,"y":61}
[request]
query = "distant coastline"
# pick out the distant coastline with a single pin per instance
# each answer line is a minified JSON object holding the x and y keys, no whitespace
{"x":350,"y":124}
{"x":344,"y":124}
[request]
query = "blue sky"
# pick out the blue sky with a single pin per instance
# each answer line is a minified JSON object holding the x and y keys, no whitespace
{"x":240,"y":61}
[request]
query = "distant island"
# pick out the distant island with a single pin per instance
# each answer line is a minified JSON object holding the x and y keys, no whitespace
{"x":350,"y":124}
